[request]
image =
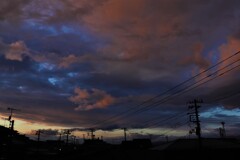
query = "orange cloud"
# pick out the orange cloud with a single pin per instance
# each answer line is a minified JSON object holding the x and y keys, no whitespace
{"x":66,"y":61}
{"x":232,"y":46}
{"x":16,"y":51}
{"x":91,"y":99}
{"x":136,"y":27}
{"x":196,"y":57}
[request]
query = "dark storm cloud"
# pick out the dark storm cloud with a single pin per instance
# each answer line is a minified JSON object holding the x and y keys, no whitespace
{"x":105,"y":128}
{"x":14,"y":66}
{"x":50,"y":132}
{"x":12,"y":10}
{"x":227,"y":94}
{"x":127,"y":49}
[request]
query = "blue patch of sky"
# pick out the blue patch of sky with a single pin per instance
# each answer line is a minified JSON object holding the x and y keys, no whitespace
{"x":62,"y":38}
{"x":53,"y":80}
{"x":38,"y":26}
{"x":59,"y":83}
{"x":46,"y":66}
{"x":213,"y":112}
{"x":66,"y":29}
{"x":53,"y":38}
{"x":55,"y":30}
{"x":72,"y":74}
{"x":213,"y":48}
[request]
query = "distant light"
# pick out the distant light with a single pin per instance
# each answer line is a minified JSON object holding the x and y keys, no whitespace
{"x":22,"y":88}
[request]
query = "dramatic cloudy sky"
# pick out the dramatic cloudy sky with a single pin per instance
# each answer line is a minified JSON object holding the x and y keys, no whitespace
{"x":83,"y":63}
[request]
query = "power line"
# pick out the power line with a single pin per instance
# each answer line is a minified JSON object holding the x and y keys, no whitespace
{"x":204,"y":121}
{"x":204,"y":82}
{"x":226,"y":97}
{"x":151,"y":99}
{"x":176,"y":116}
{"x":185,"y":90}
{"x":167,"y":120}
{"x":156,"y":121}
{"x":174,"y":128}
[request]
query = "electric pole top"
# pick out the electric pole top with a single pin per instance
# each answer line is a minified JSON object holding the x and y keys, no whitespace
{"x":11,"y":112}
{"x":194,"y":117}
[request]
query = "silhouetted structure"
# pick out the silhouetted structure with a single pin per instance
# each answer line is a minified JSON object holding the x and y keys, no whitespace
{"x":222,"y":131}
{"x":11,"y":121}
{"x":125,"y":134}
{"x":92,"y":134}
{"x":194,"y":117}
{"x":67,"y":132}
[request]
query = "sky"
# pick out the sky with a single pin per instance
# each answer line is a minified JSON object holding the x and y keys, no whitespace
{"x":83,"y":64}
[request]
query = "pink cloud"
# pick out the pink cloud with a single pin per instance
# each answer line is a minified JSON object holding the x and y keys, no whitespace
{"x":227,"y":49}
{"x":232,"y":46}
{"x":68,"y":60}
{"x":91,"y":99}
{"x":196,"y":57}
{"x":16,"y":51}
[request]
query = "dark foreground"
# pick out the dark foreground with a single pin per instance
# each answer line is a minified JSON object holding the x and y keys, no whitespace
{"x":181,"y":149}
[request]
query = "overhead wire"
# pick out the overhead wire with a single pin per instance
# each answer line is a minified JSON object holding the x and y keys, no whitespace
{"x":185,"y":90}
{"x":151,"y":99}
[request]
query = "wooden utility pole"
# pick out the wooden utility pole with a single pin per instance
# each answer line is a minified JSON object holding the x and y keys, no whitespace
{"x":194,"y":117}
{"x":222,"y":131}
{"x":60,"y":137}
{"x":92,"y":134}
{"x":11,"y":122}
{"x":67,"y":132}
{"x":38,"y":133}
{"x":125,"y":134}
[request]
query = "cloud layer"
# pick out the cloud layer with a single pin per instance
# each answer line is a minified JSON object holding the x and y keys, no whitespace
{"x":75,"y":63}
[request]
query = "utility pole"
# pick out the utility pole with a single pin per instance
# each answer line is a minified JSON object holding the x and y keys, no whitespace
{"x":12,"y":125}
{"x":92,"y":134}
{"x":166,"y":138}
{"x":194,"y":117}
{"x":125,"y":134}
{"x":11,"y":122}
{"x":11,"y":112}
{"x":60,"y":140}
{"x":38,"y":133}
{"x":60,"y":137}
{"x":73,"y":140}
{"x":67,"y":132}
{"x":222,"y":131}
